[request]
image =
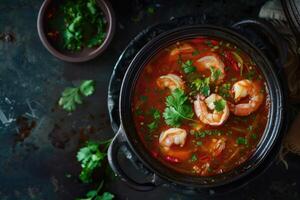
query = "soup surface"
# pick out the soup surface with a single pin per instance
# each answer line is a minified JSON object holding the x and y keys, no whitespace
{"x":201,"y":106}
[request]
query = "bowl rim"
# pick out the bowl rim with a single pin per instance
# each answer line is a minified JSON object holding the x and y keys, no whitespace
{"x":107,"y":10}
{"x":275,"y":92}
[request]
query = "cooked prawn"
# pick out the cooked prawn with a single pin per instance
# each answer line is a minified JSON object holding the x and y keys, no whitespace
{"x":212,"y":62}
{"x":184,"y":48}
{"x":172,"y":136}
{"x":243,"y":89}
{"x":170,"y":81}
{"x":215,"y":118}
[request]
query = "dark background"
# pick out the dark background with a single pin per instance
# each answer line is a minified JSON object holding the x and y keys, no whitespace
{"x":38,"y":146}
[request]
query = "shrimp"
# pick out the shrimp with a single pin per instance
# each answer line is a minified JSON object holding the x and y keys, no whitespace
{"x":184,"y":48}
{"x":243,"y":89}
{"x":215,"y":64}
{"x":170,"y":81}
{"x":172,"y":136}
{"x":215,"y":118}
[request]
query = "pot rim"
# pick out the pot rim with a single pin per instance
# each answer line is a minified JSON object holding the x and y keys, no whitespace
{"x":271,"y":133}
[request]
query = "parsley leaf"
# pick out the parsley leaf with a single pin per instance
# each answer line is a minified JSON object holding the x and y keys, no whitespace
{"x":194,"y":158}
{"x":224,"y":90}
{"x":188,"y":67}
{"x":156,"y":117}
{"x":215,"y":73}
{"x":241,"y":140}
{"x":220,"y":105}
{"x":202,"y":86}
{"x":94,"y":194}
{"x":72,"y":96}
{"x":177,"y":108}
{"x":90,"y":158}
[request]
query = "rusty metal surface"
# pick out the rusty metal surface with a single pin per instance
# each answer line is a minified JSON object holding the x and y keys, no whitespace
{"x":39,"y":141}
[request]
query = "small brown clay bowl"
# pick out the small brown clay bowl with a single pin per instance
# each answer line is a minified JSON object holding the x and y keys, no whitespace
{"x":86,"y":53}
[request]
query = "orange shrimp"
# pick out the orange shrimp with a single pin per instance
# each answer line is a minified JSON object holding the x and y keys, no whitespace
{"x":243,"y":89}
{"x":211,"y":62}
{"x":170,"y":81}
{"x":215,"y":118}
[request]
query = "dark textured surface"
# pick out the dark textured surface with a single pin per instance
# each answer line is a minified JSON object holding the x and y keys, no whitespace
{"x":34,"y":164}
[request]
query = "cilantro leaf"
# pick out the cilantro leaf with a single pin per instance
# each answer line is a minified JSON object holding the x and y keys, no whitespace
{"x":90,"y":158}
{"x":177,"y":108}
{"x":94,"y":194}
{"x":152,"y":126}
{"x":202,"y":86}
{"x":224,"y":90}
{"x":156,"y":117}
{"x":72,"y":96}
{"x":215,"y":73}
{"x":188,"y":67}
{"x":241,"y":140}
{"x":220,"y":105}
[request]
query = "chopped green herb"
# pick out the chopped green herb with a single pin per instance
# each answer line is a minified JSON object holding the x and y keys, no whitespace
{"x":220,"y":105}
{"x":138,"y":111}
{"x":215,"y":73}
{"x":194,"y":158}
{"x":241,"y":140}
{"x":202,"y":134}
{"x":152,"y":126}
{"x":94,"y":194}
{"x":199,"y":143}
{"x":72,"y":96}
{"x":250,"y":75}
{"x":250,"y":128}
{"x":188,"y":67}
{"x":77,"y":15}
{"x":178,"y":108}
{"x":202,"y":86}
{"x":196,"y":52}
{"x":224,"y":90}
{"x":143,"y":98}
{"x":253,"y":136}
{"x":208,"y":43}
{"x":90,"y":158}
{"x":155,"y":113}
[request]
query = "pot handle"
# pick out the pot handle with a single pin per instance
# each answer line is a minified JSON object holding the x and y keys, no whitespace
{"x":271,"y":33}
{"x":112,"y":154}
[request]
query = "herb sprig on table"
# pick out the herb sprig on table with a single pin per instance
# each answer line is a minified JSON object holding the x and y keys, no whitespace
{"x":72,"y":96}
{"x":91,"y":157}
{"x":79,"y":16}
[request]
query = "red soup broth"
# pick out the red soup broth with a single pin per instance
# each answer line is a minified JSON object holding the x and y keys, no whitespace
{"x":208,"y":150}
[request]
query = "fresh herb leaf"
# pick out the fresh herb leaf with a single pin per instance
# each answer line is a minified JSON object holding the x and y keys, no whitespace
{"x":194,"y":158}
{"x":94,"y":194}
{"x":90,"y":158}
{"x":242,"y":140}
{"x":250,"y":75}
{"x":215,"y":73}
{"x":72,"y":96}
{"x":188,"y":67}
{"x":224,"y":90}
{"x":196,"y":52}
{"x":199,"y":143}
{"x":143,"y":98}
{"x":220,"y":105}
{"x":156,"y":117}
{"x":202,"y":134}
{"x":177,"y":108}
{"x":202,"y":86}
{"x":254,"y":136}
{"x":152,"y":126}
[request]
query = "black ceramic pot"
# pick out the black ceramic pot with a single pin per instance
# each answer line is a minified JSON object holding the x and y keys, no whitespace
{"x":128,"y":137}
